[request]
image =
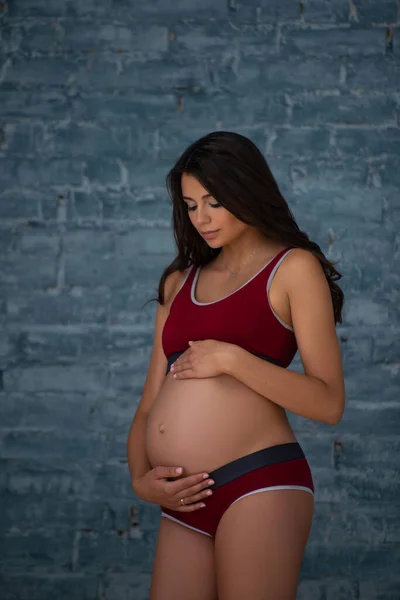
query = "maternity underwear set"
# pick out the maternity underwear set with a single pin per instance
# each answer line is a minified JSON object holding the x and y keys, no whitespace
{"x":244,"y":318}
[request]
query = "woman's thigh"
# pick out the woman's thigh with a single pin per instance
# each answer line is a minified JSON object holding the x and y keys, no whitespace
{"x":183,"y":567}
{"x":259,"y":545}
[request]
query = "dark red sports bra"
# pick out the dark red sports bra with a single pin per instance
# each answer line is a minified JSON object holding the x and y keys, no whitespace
{"x":244,"y":317}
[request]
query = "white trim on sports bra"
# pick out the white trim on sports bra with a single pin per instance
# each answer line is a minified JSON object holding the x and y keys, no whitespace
{"x":196,"y":277}
{"x":270,"y":278}
{"x":184,"y":280}
{"x":192,"y":291}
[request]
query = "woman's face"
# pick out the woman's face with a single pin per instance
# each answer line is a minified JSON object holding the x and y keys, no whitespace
{"x":207,"y":215}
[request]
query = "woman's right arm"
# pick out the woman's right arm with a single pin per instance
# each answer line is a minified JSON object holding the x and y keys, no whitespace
{"x":136,"y":448}
{"x":150,"y":484}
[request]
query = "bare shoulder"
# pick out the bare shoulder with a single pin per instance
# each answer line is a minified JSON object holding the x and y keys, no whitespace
{"x":301,"y":257}
{"x":299,"y":266}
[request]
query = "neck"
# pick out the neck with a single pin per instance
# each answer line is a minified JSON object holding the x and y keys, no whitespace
{"x":235,"y":253}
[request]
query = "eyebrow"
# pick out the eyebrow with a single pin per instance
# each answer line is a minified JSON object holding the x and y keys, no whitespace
{"x":202,"y":197}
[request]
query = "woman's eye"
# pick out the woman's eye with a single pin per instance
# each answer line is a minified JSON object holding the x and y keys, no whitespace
{"x":213,"y":205}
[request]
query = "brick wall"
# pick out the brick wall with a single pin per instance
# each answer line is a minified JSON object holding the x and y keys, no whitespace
{"x":97,"y":100}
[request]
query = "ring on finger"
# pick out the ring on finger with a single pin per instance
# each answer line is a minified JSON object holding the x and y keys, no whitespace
{"x":183,"y":502}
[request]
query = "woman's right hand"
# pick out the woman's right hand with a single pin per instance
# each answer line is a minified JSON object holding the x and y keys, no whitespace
{"x":154,"y":487}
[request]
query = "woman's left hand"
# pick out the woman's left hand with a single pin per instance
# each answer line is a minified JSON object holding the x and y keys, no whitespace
{"x":204,"y":358}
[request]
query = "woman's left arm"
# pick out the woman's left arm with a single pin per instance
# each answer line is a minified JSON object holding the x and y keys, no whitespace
{"x":319,"y":393}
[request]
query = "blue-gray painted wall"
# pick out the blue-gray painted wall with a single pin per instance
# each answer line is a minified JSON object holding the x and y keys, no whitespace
{"x":98,"y":98}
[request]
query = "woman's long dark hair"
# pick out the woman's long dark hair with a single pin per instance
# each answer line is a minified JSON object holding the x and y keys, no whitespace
{"x":236,"y":174}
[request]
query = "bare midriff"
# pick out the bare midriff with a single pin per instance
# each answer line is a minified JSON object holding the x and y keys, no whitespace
{"x":202,"y":424}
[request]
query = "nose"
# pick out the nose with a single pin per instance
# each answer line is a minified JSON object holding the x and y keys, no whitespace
{"x":202,"y":217}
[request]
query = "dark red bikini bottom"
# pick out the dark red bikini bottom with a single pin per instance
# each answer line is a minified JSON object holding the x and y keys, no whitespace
{"x":278,"y":467}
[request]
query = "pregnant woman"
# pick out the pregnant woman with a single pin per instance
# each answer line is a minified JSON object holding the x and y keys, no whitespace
{"x":245,"y":292}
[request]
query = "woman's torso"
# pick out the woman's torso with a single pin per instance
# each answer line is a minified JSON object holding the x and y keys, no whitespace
{"x":202,"y":424}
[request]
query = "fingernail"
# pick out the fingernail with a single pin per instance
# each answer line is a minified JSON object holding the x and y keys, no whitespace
{"x":179,"y":470}
{"x":205,"y":476}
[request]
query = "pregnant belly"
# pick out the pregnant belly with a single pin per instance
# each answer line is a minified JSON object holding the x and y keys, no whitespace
{"x":201,"y":424}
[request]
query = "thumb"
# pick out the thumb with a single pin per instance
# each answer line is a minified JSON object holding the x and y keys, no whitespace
{"x":172,"y":471}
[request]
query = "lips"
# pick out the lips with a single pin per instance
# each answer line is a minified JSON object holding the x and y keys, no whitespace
{"x":210,"y":235}
{"x":208,"y":232}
